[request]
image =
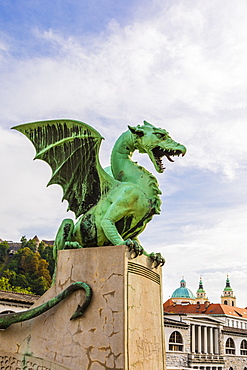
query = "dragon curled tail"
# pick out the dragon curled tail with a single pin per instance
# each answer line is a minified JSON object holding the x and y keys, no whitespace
{"x":9,"y":319}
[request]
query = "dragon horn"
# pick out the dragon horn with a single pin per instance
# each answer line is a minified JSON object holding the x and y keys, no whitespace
{"x":147,"y":124}
{"x":136,"y":130}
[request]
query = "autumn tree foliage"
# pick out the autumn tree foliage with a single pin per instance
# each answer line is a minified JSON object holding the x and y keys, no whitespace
{"x":3,"y":250}
{"x":30,"y":268}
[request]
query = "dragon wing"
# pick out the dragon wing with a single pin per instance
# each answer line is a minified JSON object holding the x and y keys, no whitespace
{"x":71,"y":148}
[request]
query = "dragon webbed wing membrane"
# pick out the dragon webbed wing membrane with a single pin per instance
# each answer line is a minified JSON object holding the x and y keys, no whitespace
{"x":71,"y":148}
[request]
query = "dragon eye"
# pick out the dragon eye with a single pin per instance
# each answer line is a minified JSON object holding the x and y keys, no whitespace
{"x":159,"y":135}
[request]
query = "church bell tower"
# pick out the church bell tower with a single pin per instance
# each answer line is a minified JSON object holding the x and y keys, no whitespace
{"x":228,"y":297}
{"x":201,"y":296}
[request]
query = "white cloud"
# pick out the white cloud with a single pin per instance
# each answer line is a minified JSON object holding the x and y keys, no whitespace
{"x":183,"y":68}
{"x":184,"y":60}
{"x":26,"y":203}
{"x":212,"y":251}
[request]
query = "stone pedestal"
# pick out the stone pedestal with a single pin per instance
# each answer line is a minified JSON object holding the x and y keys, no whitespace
{"x":121,"y":329}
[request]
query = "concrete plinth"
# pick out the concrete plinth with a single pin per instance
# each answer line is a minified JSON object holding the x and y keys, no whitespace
{"x":121,"y":329}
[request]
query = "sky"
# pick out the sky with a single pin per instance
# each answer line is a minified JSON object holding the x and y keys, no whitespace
{"x":180,"y":65}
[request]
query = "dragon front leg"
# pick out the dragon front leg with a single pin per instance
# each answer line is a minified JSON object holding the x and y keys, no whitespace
{"x":157,"y":258}
{"x":122,"y":207}
{"x":134,"y":246}
{"x":113,"y":235}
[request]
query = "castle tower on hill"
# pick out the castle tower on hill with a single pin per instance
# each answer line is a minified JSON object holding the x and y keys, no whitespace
{"x":201,"y":296}
{"x":228,"y":297}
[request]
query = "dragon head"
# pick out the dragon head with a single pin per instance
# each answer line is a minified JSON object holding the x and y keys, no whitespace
{"x":157,"y":143}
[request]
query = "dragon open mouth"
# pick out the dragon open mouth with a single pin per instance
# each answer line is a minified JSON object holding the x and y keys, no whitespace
{"x":159,"y":153}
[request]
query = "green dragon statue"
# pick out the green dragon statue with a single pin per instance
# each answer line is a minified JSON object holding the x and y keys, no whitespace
{"x":113,"y":206}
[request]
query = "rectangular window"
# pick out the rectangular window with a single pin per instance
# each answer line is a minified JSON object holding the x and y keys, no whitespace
{"x":175,"y":347}
{"x":230,"y":351}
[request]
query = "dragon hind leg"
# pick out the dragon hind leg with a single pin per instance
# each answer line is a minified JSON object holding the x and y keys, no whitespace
{"x":63,"y":240}
{"x":64,"y":234}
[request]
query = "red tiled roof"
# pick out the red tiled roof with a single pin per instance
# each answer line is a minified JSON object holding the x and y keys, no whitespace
{"x":208,"y":309}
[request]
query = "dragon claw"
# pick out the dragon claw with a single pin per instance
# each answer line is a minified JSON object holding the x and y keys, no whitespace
{"x":134,"y":246}
{"x":157,"y":259}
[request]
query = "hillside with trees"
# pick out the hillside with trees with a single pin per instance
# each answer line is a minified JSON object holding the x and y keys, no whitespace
{"x":29,"y":270}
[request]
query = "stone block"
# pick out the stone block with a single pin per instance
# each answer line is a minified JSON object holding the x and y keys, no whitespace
{"x":121,"y":329}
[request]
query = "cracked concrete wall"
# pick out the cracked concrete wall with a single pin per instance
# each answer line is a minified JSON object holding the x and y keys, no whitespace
{"x":146,"y":349}
{"x":121,"y":329}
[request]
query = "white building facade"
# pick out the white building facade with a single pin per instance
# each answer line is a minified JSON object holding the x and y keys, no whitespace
{"x":205,"y":336}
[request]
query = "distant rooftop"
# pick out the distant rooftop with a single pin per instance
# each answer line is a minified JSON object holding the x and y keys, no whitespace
{"x":18,"y":297}
{"x":207,"y":308}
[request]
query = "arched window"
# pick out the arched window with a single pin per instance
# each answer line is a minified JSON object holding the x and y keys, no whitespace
{"x":243,"y":347}
{"x":225,"y":302}
{"x":230,"y":346}
{"x":5,"y":312}
{"x":175,"y":341}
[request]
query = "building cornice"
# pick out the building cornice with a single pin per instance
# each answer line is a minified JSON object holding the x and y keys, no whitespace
{"x":234,"y":331}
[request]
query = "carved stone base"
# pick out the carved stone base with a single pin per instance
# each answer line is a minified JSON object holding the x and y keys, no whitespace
{"x":121,"y":329}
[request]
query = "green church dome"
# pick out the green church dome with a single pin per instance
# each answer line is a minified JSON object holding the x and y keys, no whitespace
{"x":183,"y":292}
